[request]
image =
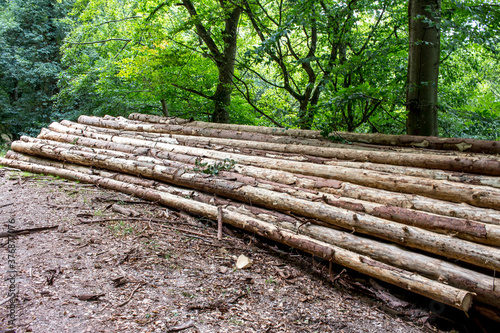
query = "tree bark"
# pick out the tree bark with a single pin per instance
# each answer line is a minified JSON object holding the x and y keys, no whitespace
{"x":232,"y":146}
{"x":423,"y":67}
{"x":486,"y":287}
{"x":182,"y":175}
{"x":488,"y":166}
{"x":454,"y":144}
{"x":164,"y":108}
{"x":225,"y":59}
{"x":452,"y":296}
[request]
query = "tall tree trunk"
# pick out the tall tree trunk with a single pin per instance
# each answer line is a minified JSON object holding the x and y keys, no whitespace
{"x":225,"y":59}
{"x":164,"y":107}
{"x":423,"y":67}
{"x":222,"y":96}
{"x":306,"y":115}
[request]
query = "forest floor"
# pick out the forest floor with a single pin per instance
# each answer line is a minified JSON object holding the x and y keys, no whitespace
{"x":142,"y":275}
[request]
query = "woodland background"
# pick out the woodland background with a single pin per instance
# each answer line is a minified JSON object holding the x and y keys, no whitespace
{"x":327,"y":65}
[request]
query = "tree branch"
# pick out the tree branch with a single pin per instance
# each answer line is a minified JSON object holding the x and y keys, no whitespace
{"x":119,"y":20}
{"x":101,"y":41}
{"x":247,"y":98}
{"x":202,"y":31}
{"x":153,"y":13}
{"x":260,"y":76}
{"x":371,"y":33}
{"x":199,"y":93}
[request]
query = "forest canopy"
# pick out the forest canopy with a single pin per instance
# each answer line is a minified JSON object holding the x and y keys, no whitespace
{"x":418,"y":67}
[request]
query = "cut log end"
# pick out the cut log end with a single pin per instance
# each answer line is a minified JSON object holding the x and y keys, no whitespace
{"x":464,"y":300}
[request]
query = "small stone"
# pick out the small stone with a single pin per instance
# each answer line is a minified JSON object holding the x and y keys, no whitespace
{"x":243,"y":262}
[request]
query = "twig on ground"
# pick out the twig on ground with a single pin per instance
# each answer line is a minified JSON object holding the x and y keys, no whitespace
{"x":7,"y":300}
{"x":181,"y":327}
{"x":131,"y":295}
{"x":219,"y":223}
{"x":26,"y":231}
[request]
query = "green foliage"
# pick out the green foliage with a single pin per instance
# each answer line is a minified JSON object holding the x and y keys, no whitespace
{"x":214,"y":169}
{"x":470,"y":94}
{"x":328,"y":65}
{"x":30,"y":36}
{"x":3,"y":149}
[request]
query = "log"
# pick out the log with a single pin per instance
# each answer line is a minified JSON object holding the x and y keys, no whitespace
{"x":121,"y":123}
{"x":462,"y":228}
{"x":355,"y":191}
{"x":356,"y":146}
{"x":159,"y":120}
{"x":446,"y":294}
{"x":486,"y":288}
{"x":487,"y":166}
{"x":182,"y":175}
{"x":456,"y":144}
{"x":201,"y":142}
{"x":479,"y":196}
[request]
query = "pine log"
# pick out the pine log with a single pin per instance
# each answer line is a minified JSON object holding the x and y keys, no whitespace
{"x":462,"y":228}
{"x":476,"y":254}
{"x":121,"y":123}
{"x":487,"y":288}
{"x":479,"y":196}
{"x":446,"y":294}
{"x":344,"y":189}
{"x":487,"y":166}
{"x":235,"y":142}
{"x":457,"y":144}
{"x":466,"y":178}
{"x":355,"y":146}
{"x":159,"y":120}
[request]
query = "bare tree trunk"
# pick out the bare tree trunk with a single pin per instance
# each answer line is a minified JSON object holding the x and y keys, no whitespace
{"x":375,"y":139}
{"x":164,"y":107}
{"x":479,"y":196}
{"x":486,"y":287}
{"x":260,"y":177}
{"x":423,"y":67}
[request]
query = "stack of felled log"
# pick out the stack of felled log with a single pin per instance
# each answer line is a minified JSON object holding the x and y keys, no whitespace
{"x":427,"y":220}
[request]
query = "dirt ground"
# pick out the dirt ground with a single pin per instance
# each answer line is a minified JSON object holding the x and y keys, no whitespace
{"x":165,"y":271}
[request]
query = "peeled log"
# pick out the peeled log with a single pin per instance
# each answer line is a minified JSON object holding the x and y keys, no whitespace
{"x":233,"y":146}
{"x":342,"y":188}
{"x":457,"y":144}
{"x":480,"y":196}
{"x":463,"y":164}
{"x":480,"y":255}
{"x":452,"y":296}
{"x":466,"y":229}
{"x":487,"y":288}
